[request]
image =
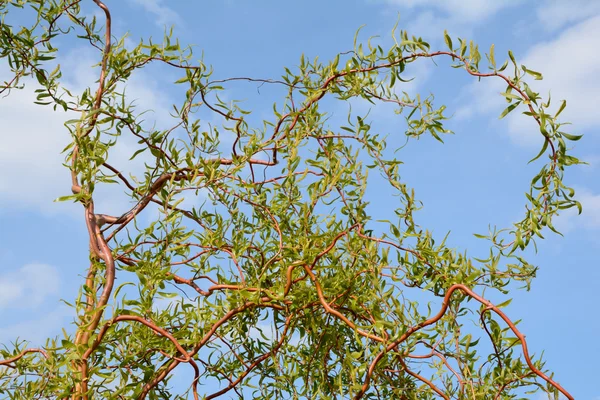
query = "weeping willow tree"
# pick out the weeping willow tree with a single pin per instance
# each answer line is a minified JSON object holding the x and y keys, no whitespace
{"x":278,"y":283}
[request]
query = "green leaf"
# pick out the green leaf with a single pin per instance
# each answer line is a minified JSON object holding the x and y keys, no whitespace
{"x":504,"y":304}
{"x":512,"y":58}
{"x":510,"y":96}
{"x":536,"y":75}
{"x":573,"y":138}
{"x":40,"y":77}
{"x":448,"y":40}
{"x":509,"y":109}
{"x":561,"y":108}
{"x":138,"y":152}
{"x":66,"y":198}
{"x":542,"y":151}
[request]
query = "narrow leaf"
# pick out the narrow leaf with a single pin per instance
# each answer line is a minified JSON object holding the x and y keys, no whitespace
{"x":508,"y":109}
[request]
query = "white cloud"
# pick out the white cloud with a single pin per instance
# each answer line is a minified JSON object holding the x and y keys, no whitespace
{"x":457,"y":16}
{"x":481,"y":98}
{"x":555,"y":14}
{"x":419,"y":72}
{"x":28,"y":286}
{"x":33,"y":136}
{"x":593,"y":161}
{"x":37,"y":330}
{"x":570,"y":69}
{"x":589,"y":218}
{"x":465,"y":10}
{"x":164,"y":14}
{"x":428,"y":25}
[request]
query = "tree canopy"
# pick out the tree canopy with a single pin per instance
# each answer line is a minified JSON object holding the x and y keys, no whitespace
{"x":279,"y":283}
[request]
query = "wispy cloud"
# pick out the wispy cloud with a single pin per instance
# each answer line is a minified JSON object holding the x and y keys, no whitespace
{"x":466,"y":10}
{"x":32,"y":138}
{"x":31,"y":147}
{"x":569,"y":220}
{"x":555,"y":14}
{"x":37,"y":330}
{"x":570,"y":68}
{"x":164,"y":14}
{"x":459,"y":17}
{"x":28,"y":286}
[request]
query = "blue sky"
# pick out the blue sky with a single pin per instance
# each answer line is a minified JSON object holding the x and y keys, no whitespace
{"x":476,"y":178}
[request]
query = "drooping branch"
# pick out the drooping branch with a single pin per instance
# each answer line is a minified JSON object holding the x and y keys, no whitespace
{"x":281,"y":266}
{"x":9,"y":361}
{"x":446,"y":303}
